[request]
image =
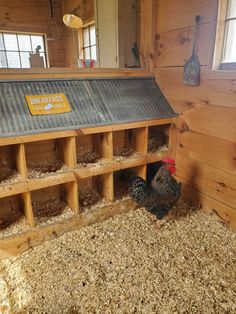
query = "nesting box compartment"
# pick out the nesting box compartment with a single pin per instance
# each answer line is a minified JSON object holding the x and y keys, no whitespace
{"x":84,"y":161}
{"x":44,"y":157}
{"x":131,"y":142}
{"x":8,"y":166}
{"x":93,"y":148}
{"x":11,"y":211}
{"x":50,"y":204}
{"x":158,"y":138}
{"x":90,"y":192}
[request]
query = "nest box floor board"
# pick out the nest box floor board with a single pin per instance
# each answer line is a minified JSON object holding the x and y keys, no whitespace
{"x":126,"y":265}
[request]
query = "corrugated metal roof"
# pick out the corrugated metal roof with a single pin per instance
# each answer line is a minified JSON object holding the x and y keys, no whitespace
{"x":94,"y":102}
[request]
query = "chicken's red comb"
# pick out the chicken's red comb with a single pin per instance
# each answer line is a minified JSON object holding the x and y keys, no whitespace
{"x":168,"y":160}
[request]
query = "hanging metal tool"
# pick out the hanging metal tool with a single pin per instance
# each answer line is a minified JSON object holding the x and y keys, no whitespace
{"x":192,"y":66}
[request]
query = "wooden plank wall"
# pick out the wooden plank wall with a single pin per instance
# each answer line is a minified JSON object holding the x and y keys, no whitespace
{"x":206,"y":141}
{"x":34,"y":16}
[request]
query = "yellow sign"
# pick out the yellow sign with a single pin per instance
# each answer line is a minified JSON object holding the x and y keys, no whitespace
{"x":48,"y":104}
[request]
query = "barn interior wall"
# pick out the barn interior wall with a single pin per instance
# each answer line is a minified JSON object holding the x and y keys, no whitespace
{"x":36,"y":16}
{"x":206,"y":138}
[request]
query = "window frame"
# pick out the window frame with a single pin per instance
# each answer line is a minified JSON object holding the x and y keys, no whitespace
{"x":81,"y":40}
{"x":4,"y":31}
{"x":221,"y":69}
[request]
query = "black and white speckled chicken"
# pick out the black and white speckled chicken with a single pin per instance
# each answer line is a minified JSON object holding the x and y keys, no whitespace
{"x":163,"y":193}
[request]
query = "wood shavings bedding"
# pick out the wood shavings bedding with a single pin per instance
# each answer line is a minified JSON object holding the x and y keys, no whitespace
{"x":126,"y":265}
{"x":17,"y":227}
{"x":42,"y":169}
{"x":9,"y":176}
{"x":51,"y":211}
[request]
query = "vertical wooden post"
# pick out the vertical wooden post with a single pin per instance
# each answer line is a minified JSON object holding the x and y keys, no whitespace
{"x":72,"y":195}
{"x":107,"y":145}
{"x":28,"y":208}
{"x":69,"y":151}
{"x":173,"y":140}
{"x":21,"y":164}
{"x":21,"y":167}
{"x":146,"y":32}
{"x":103,"y":144}
{"x":70,"y":160}
{"x":108,"y":186}
{"x":141,"y":171}
{"x":142,"y":140}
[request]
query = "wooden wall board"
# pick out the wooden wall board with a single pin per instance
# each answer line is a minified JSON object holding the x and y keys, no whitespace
{"x":146,"y":14}
{"x":33,"y":16}
{"x":7,"y":159}
{"x":175,"y":47}
{"x":211,"y":150}
{"x":213,"y":182}
{"x":173,"y":15}
{"x":211,"y":91}
{"x":64,"y":73}
{"x":223,"y":213}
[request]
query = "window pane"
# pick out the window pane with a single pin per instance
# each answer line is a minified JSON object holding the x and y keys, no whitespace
{"x":11,"y":42}
{"x":1,"y":42}
{"x":37,"y":41}
{"x":86,"y":53}
{"x":13,"y":60}
{"x":3,"y":60}
{"x":24,"y":43}
{"x":230,"y":46}
{"x":24,"y":56}
{"x":86,"y":36}
{"x":232,"y":8}
{"x":93,"y":53}
{"x":92,"y":35}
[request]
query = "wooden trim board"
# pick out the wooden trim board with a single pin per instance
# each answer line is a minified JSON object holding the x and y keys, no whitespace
{"x":92,"y":130}
{"x":17,"y":244}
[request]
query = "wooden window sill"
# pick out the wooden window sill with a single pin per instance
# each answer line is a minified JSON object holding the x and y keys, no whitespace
{"x":222,"y":75}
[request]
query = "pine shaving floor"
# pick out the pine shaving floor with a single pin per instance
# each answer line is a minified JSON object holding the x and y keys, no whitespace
{"x":125,"y":265}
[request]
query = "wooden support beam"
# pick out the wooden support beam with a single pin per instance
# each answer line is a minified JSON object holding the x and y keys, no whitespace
{"x":141,"y":171}
{"x":70,"y":160}
{"x":21,"y":165}
{"x":28,"y":208}
{"x":69,"y":150}
{"x":35,"y":184}
{"x":72,"y":195}
{"x":108,"y":186}
{"x":103,"y":144}
{"x":142,"y":140}
{"x":39,"y":73}
{"x":173,"y":139}
{"x":114,"y":165}
{"x":107,"y":145}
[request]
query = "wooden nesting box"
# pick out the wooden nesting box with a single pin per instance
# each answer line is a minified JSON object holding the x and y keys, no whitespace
{"x":49,"y":163}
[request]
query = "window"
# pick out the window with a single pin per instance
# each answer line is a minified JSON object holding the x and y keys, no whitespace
{"x":225,"y":52}
{"x":229,"y":52}
{"x":89,"y":42}
{"x":15,"y":49}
